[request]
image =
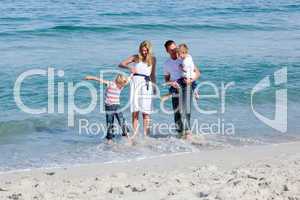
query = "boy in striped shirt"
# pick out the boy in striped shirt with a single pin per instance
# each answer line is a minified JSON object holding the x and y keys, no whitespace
{"x":112,"y":104}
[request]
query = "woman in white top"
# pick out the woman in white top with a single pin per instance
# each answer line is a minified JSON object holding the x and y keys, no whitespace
{"x":142,"y":66}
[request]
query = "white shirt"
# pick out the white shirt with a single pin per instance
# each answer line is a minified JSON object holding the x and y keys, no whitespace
{"x":172,"y":68}
{"x":188,"y":67}
{"x":143,"y":68}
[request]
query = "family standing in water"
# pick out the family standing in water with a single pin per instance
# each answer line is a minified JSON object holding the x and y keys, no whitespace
{"x":180,"y":74}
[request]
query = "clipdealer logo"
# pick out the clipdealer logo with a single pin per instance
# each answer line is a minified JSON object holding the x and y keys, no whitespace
{"x":279,"y":122}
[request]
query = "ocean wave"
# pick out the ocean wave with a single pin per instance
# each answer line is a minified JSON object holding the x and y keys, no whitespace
{"x":15,"y":19}
{"x":255,"y":9}
{"x":151,"y":27}
{"x":82,"y":28}
{"x":294,"y":7}
{"x":122,"y":14}
{"x":29,"y":125}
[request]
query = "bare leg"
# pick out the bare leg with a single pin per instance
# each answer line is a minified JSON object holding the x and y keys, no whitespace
{"x":165,"y":97}
{"x":135,"y":123}
{"x":146,"y":123}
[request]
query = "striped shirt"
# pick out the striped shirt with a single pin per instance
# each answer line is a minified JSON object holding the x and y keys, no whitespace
{"x":112,"y":94}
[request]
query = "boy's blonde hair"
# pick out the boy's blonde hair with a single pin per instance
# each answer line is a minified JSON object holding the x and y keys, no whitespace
{"x":121,"y":79}
{"x":183,"y":48}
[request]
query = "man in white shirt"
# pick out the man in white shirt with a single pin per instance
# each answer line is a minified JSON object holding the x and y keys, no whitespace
{"x":182,"y":102}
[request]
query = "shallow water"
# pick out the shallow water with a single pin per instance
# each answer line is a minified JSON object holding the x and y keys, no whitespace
{"x":232,"y":41}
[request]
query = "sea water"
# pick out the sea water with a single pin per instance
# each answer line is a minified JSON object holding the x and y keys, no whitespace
{"x":233,"y":42}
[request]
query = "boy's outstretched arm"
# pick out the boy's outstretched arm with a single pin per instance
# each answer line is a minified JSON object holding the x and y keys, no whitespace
{"x":169,"y":83}
{"x":94,"y":78}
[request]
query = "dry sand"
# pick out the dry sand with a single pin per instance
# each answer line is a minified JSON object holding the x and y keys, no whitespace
{"x":255,"y":172}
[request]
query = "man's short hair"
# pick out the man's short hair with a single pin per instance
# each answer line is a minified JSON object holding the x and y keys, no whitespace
{"x":168,"y":43}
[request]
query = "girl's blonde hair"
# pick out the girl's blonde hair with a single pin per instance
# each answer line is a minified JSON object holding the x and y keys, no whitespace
{"x":149,"y":57}
{"x":121,"y":79}
{"x":183,"y":48}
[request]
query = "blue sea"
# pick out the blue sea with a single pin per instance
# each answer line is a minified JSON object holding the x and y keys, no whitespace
{"x":231,"y":41}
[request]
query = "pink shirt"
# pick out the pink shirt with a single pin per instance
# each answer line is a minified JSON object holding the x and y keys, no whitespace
{"x":112,"y":94}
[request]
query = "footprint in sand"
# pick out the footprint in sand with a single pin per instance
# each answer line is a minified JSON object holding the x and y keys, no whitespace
{"x":73,"y":195}
{"x":50,"y":173}
{"x":3,"y":190}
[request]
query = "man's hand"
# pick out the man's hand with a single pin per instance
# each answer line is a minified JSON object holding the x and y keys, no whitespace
{"x":174,"y":84}
{"x":171,"y":83}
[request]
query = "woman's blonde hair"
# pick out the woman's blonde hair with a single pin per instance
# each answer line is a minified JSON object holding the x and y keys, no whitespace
{"x":121,"y":79}
{"x":149,"y":57}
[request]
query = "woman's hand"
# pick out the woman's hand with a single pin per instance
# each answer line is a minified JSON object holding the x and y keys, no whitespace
{"x":125,"y":63}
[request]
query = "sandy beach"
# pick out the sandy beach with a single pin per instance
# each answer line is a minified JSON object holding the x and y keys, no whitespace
{"x":253,"y":172}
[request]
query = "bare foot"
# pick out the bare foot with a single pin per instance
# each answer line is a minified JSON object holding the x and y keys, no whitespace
{"x":198,"y":140}
{"x":130,"y":141}
{"x":110,"y":142}
{"x":133,"y":136}
{"x":187,"y":136}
